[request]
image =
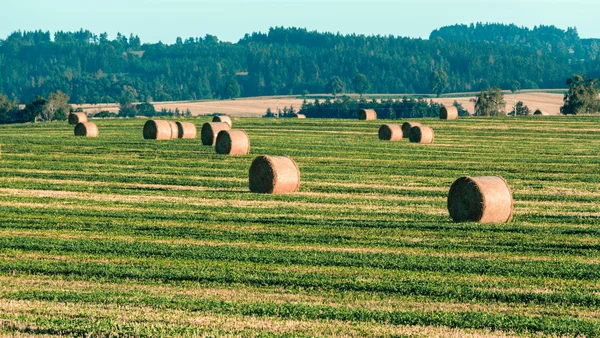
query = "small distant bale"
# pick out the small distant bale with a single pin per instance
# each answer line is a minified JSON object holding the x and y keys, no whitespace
{"x":274,"y":175}
{"x":75,"y":118}
{"x":232,"y":142}
{"x":210,"y":130}
{"x":540,"y":113}
{"x":158,"y":130}
{"x":484,"y":199}
{"x":299,"y":116}
{"x":406,"y":126}
{"x":186,"y":130}
{"x":390,"y":132}
{"x":86,"y":129}
{"x":367,"y":114}
{"x":449,"y":113}
{"x":223,"y":118}
{"x":421,"y":134}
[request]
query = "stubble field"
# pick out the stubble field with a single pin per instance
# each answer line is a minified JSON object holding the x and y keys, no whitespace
{"x":256,"y":107}
{"x":124,"y":236}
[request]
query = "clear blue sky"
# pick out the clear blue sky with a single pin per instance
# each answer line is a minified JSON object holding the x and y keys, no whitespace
{"x":164,"y":20}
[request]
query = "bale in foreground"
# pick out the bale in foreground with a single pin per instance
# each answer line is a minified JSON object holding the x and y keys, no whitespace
{"x":186,"y":130}
{"x":75,"y":118}
{"x":406,"y":126}
{"x":390,"y":132}
{"x":86,"y":129}
{"x":274,"y":175}
{"x":367,"y":114}
{"x":421,"y":134}
{"x":159,"y":130}
{"x":210,"y":130}
{"x":232,"y":142}
{"x":485,"y":199}
{"x":449,"y":113}
{"x":223,"y":118}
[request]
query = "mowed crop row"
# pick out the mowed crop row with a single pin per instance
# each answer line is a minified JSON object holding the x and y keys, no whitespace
{"x":121,"y":235}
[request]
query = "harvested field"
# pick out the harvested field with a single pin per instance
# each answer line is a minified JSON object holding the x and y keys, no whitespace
{"x":126,"y":237}
{"x":548,"y":102}
{"x":249,"y":107}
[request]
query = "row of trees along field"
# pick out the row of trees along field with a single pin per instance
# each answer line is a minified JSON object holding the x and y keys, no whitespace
{"x":347,"y":107}
{"x":56,"y":108}
{"x":581,"y":98}
{"x":92,"y":68}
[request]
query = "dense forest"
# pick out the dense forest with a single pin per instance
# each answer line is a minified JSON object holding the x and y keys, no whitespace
{"x":547,"y":40}
{"x":92,"y":68}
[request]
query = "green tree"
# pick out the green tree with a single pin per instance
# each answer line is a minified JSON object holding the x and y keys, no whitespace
{"x":232,"y":89}
{"x":582,"y":97}
{"x":520,"y":109}
{"x":490,"y":103}
{"x":361,"y":84}
{"x":145,"y":109}
{"x":128,"y":96}
{"x":32,"y":110}
{"x":56,"y":108}
{"x":461,"y":110}
{"x":7,"y":109}
{"x":439,"y":82}
{"x":335,"y":86}
{"x":269,"y":113}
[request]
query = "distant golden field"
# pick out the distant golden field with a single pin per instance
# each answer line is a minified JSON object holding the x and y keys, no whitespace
{"x":251,"y":107}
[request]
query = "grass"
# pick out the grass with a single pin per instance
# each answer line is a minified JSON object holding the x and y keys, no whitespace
{"x":124,"y":236}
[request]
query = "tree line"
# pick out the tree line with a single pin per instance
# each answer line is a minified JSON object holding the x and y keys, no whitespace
{"x":347,"y":107}
{"x":582,"y":97}
{"x":92,"y":68}
{"x":57,"y":108}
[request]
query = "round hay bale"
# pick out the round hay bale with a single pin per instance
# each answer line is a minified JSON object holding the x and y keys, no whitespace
{"x":406,"y":128}
{"x":421,"y":134}
{"x":223,"y":118}
{"x":210,"y":130}
{"x":274,"y":175}
{"x":300,"y":116}
{"x":449,"y":113}
{"x":158,"y":130}
{"x":232,"y":142}
{"x":174,"y":129}
{"x":485,"y":199}
{"x":75,"y":118}
{"x":367,"y":114}
{"x":390,"y":132}
{"x":186,"y":130}
{"x":86,"y":129}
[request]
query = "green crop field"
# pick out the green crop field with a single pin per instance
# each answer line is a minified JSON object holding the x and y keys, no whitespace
{"x":124,"y":236}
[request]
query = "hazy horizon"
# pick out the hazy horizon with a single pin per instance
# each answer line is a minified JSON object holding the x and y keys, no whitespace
{"x":230,"y":20}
